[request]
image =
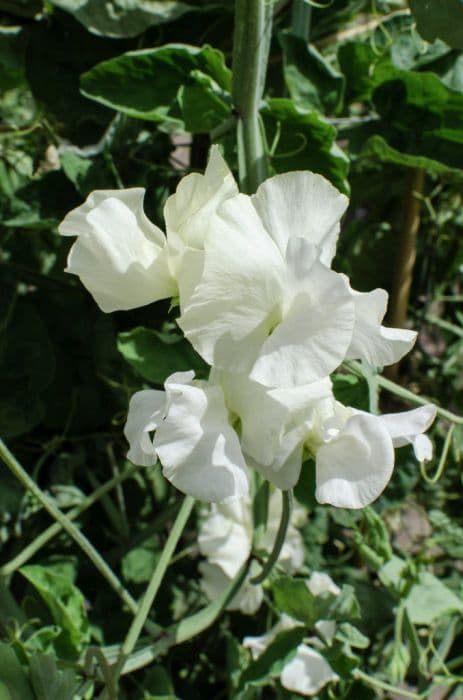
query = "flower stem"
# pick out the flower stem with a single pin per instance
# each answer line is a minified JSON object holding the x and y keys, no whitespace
{"x":13,"y":465}
{"x":153,"y":586}
{"x":301,"y":18}
{"x":53,"y":530}
{"x":287,"y":506}
{"x":251,"y":43}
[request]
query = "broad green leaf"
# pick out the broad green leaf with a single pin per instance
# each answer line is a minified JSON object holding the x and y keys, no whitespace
{"x":430,"y":599}
{"x":145,"y":84}
{"x":304,"y":141}
{"x":48,"y":682}
{"x":12,"y":676}
{"x":272,"y":661}
{"x":357,"y":60}
{"x":351,"y":390}
{"x":138,"y":564}
{"x":204,"y":105}
{"x":348,"y":634}
{"x":441,"y":19}
{"x":65,"y":602}
{"x":304,"y":490}
{"x":312,"y":82}
{"x":119,"y":18}
{"x":156,"y":355}
{"x":294,"y":598}
{"x":376,"y":148}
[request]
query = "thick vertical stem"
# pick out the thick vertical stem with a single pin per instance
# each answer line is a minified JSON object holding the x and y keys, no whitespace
{"x":406,"y":251}
{"x":406,"y":254}
{"x":301,"y":17}
{"x":251,"y":43}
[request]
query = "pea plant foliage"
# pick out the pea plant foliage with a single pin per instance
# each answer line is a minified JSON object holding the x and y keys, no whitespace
{"x":259,"y":302}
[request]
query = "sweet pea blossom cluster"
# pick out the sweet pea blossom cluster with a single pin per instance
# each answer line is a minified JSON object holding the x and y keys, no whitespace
{"x":259,"y":302}
{"x":225,"y":540}
{"x":308,"y":671}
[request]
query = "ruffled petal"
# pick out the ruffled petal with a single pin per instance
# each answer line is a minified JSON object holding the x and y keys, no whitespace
{"x":301,"y":204}
{"x":407,"y":428}
{"x":307,"y":673}
{"x":232,"y":309}
{"x":119,"y":255}
{"x":353,"y":468}
{"x":214,"y":581}
{"x":316,"y":330}
{"x":189,"y":210}
{"x":146,"y":410}
{"x":371,"y":341}
{"x":197,"y":447}
{"x":225,"y":536}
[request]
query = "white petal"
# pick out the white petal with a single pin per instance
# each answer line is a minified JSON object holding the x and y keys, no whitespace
{"x":307,"y":673}
{"x":354,"y":468}
{"x":118,"y":255}
{"x":404,"y":427}
{"x":214,"y":581}
{"x":188,"y":212}
{"x":313,"y":337}
{"x":231,"y":312}
{"x":257,"y":645}
{"x":423,"y":448}
{"x":198,"y":449}
{"x":75,"y":222}
{"x":226,"y":540}
{"x":320,"y":583}
{"x":145,"y":413}
{"x":371,"y":341}
{"x":301,"y":204}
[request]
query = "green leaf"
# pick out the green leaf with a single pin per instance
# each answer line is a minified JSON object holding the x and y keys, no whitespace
{"x":272,"y":661}
{"x":156,"y":355}
{"x":351,"y":391}
{"x":65,"y":602}
{"x":312,"y":82}
{"x":48,"y":682}
{"x":138,"y":564}
{"x":204,"y":105}
{"x":376,"y":148}
{"x":145,"y":84}
{"x":294,"y":598}
{"x":430,"y":599}
{"x":348,"y":634}
{"x":421,"y":117}
{"x":12,"y":676}
{"x":118,"y":18}
{"x":439,"y":19}
{"x":304,"y":140}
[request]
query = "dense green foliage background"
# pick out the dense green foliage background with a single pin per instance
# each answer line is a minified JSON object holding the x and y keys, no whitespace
{"x":366,"y":101}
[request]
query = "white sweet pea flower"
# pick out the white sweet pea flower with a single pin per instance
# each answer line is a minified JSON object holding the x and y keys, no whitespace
{"x":308,"y":671}
{"x":199,"y":451}
{"x":124,"y":260}
{"x":353,"y":450}
{"x":267,"y":303}
{"x":355,"y":460}
{"x":119,"y":255}
{"x":225,"y":539}
{"x":282,"y":317}
{"x":189,"y":216}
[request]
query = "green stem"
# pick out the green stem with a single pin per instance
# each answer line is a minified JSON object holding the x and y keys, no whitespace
{"x":374,"y":683}
{"x":153,"y":586}
{"x":431,"y":480}
{"x":53,"y":530}
{"x":301,"y":18}
{"x":12,"y":463}
{"x":287,"y":505}
{"x":398,"y":390}
{"x":251,"y":43}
